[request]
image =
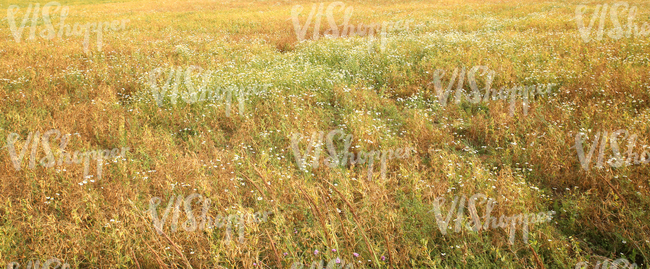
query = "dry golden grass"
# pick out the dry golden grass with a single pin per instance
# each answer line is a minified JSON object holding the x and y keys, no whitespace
{"x":384,"y":99}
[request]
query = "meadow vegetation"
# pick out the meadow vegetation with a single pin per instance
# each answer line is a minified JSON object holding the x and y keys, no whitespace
{"x":385,"y":98}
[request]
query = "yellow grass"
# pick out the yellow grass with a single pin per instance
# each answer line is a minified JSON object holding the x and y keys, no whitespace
{"x":385,"y":99}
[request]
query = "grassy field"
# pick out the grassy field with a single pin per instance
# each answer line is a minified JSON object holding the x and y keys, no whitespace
{"x":239,"y":153}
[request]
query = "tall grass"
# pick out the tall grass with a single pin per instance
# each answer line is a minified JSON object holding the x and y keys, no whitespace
{"x":385,"y":99}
